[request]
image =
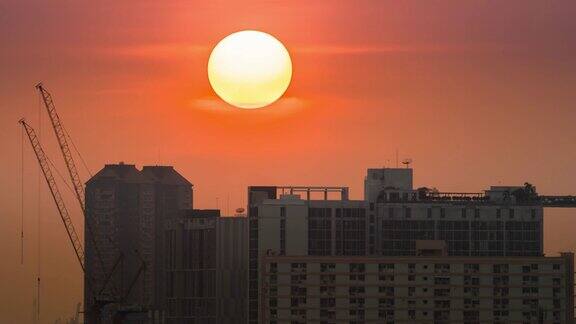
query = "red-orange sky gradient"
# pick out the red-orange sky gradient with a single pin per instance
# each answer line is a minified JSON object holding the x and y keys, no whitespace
{"x":477,"y":93}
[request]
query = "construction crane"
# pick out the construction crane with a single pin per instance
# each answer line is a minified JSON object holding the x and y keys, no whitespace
{"x":64,"y":214}
{"x":64,"y":147}
{"x":60,"y":134}
{"x":79,"y":192}
{"x":63,"y":211}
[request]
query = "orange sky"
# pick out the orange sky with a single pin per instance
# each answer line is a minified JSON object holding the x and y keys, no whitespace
{"x":475,"y":92}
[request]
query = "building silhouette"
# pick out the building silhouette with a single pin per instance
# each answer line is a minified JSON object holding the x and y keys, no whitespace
{"x":127,"y":209}
{"x":312,"y":255}
{"x":206,"y":268}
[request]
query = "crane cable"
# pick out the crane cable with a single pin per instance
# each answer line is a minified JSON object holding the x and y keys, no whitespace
{"x":22,"y":198}
{"x":77,"y":152}
{"x":60,"y":175}
{"x":39,"y":249}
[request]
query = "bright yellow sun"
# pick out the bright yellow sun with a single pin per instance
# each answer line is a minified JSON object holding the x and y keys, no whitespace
{"x":249,"y":69}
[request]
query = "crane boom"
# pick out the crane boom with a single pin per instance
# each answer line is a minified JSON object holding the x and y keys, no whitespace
{"x":62,"y":210}
{"x":64,"y":147}
{"x":95,"y":312}
{"x":70,"y":166}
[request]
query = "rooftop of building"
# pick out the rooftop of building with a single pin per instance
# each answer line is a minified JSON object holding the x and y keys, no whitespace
{"x":119,"y":172}
{"x":165,"y":174}
{"x":395,"y":185}
{"x":149,"y":174}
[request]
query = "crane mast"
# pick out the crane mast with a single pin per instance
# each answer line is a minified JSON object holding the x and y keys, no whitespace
{"x":62,"y":210}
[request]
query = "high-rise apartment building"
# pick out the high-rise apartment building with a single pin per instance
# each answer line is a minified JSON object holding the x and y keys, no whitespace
{"x":501,"y":221}
{"x":127,"y":208}
{"x":416,"y":289}
{"x":393,"y":222}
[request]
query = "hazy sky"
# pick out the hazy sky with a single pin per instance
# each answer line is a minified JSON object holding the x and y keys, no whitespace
{"x":475,"y":92}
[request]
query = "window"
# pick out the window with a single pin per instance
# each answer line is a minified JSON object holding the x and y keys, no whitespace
{"x":282,"y":236}
{"x":327,"y":302}
{"x":326,"y":267}
{"x":282,"y":230}
{"x":471,"y":267}
{"x":319,"y":231}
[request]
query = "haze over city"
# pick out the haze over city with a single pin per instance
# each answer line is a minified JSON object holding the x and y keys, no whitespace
{"x":474,"y":93}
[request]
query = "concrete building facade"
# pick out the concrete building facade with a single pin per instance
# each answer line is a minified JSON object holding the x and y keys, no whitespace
{"x":422,"y":289}
{"x":491,"y":223}
{"x":394,"y":220}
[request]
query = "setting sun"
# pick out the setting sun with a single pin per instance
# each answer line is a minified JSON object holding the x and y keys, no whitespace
{"x":249,"y":69}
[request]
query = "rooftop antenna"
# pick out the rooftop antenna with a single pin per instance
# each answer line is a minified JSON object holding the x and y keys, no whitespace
{"x":396,"y":157}
{"x":407,"y":162}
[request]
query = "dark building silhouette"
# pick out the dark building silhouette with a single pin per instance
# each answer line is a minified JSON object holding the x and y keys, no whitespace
{"x":127,"y":209}
{"x":206,"y":268}
{"x":172,"y":194}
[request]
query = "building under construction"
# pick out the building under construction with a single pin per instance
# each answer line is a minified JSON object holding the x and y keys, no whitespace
{"x":126,"y":209}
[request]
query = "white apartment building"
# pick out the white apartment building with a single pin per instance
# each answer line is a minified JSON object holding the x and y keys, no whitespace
{"x":395,"y":223}
{"x":423,"y":289}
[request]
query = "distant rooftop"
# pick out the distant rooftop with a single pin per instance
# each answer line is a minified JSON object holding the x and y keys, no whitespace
{"x":149,"y":174}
